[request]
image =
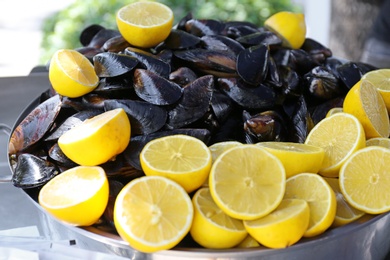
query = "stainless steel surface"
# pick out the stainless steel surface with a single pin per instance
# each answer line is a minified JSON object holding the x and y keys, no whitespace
{"x":368,"y":238}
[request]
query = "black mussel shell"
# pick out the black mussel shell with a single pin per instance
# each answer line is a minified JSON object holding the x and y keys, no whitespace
{"x":273,"y":77}
{"x":89,"y":52}
{"x":137,"y":143}
{"x":291,"y":82}
{"x":101,"y":37}
{"x":183,"y":76}
{"x":193,"y":104}
{"x":319,"y":111}
{"x":318,"y":51}
{"x":156,"y":89}
{"x":88,"y":33}
{"x":150,"y":61}
{"x":236,"y":29}
{"x":181,"y":25}
{"x":221,"y":43}
{"x":115,"y":44}
{"x":201,"y":27}
{"x":179,"y":40}
{"x":260,"y":37}
{"x":32,"y":171}
{"x":222,"y":105}
{"x":145,"y":118}
{"x":108,"y":64}
{"x":55,"y":153}
{"x":248,"y":97}
{"x":252,"y":64}
{"x":35,"y":125}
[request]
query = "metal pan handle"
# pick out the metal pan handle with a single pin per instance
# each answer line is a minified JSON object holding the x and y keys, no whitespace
{"x":6,"y":130}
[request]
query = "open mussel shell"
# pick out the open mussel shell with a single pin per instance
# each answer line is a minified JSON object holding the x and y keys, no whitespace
{"x":193,"y":104}
{"x":155,"y":89}
{"x":35,"y":125}
{"x":137,"y":143}
{"x":252,"y":64}
{"x":32,"y":171}
{"x":108,"y":64}
{"x":145,"y":118}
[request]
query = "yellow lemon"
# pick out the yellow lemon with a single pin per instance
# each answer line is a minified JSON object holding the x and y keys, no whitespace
{"x":296,"y":157}
{"x":290,"y":27}
{"x":345,"y":213}
{"x":248,"y":242}
{"x":380,"y":79}
{"x":320,"y":197}
{"x":144,"y":24}
{"x":153,"y":213}
{"x":333,"y":111}
{"x":71,"y":74}
{"x":98,"y":139}
{"x":182,"y":158}
{"x":365,"y":179}
{"x":77,"y":196}
{"x":283,"y":227}
{"x":339,"y":135}
{"x":211,"y":227}
{"x":379,"y":141}
{"x":366,"y":104}
{"x":247,"y":182}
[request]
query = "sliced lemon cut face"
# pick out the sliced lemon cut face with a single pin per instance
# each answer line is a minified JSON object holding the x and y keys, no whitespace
{"x":365,"y":179}
{"x":153,"y":213}
{"x":379,"y":141}
{"x":211,"y":227}
{"x":339,"y":135}
{"x":247,"y":182}
{"x":77,"y":196}
{"x":71,"y":74}
{"x":182,"y":158}
{"x":380,"y":79}
{"x":319,"y":195}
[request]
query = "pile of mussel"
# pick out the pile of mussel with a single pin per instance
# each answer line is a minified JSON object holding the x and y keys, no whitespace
{"x":217,"y":81}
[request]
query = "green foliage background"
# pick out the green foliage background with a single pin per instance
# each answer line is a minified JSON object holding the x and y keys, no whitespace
{"x":62,"y":30}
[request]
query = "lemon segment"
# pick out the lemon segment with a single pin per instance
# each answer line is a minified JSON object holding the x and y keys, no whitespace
{"x":182,"y":158}
{"x":290,"y":27}
{"x":247,"y":182}
{"x":144,"y":24}
{"x":71,"y":74}
{"x":98,"y":139}
{"x":153,"y":213}
{"x":365,"y":179}
{"x":366,"y":104}
{"x":211,"y":227}
{"x":339,"y":135}
{"x":319,"y":195}
{"x":77,"y":196}
{"x":379,"y":141}
{"x":296,"y":157}
{"x":345,"y":213}
{"x":283,"y":227}
{"x":380,"y":79}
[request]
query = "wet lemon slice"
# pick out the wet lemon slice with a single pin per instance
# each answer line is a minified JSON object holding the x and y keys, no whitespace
{"x":153,"y":213}
{"x":247,"y":182}
{"x":145,"y":23}
{"x":365,"y":179}
{"x":366,"y":104}
{"x":211,"y":227}
{"x":77,"y":196}
{"x":182,"y":158}
{"x":345,"y":213}
{"x":290,"y":27}
{"x":296,"y":157}
{"x":71,"y":74}
{"x":218,"y":148}
{"x":380,"y":79}
{"x":379,"y":141}
{"x":98,"y":139}
{"x":283,"y":227}
{"x":320,"y":197}
{"x":339,"y":135}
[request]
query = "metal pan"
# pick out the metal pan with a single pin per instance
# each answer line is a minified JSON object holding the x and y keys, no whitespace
{"x":366,"y":238}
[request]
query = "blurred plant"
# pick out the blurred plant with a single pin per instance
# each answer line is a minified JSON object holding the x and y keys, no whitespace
{"x":62,"y":30}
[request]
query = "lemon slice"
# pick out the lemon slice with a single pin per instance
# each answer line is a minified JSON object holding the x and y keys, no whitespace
{"x":320,"y":197}
{"x":218,"y":148}
{"x":364,"y":101}
{"x":98,"y":139}
{"x":334,"y":111}
{"x":247,"y":182}
{"x":339,"y":135}
{"x":182,"y":158}
{"x":365,"y":179}
{"x":290,"y":27}
{"x":77,"y":196}
{"x":345,"y":213}
{"x":296,"y":157}
{"x":211,"y":227}
{"x":379,"y":141}
{"x":71,"y":74}
{"x":248,"y":242}
{"x":153,"y":213}
{"x":283,"y":227}
{"x":380,"y":79}
{"x":145,"y":23}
